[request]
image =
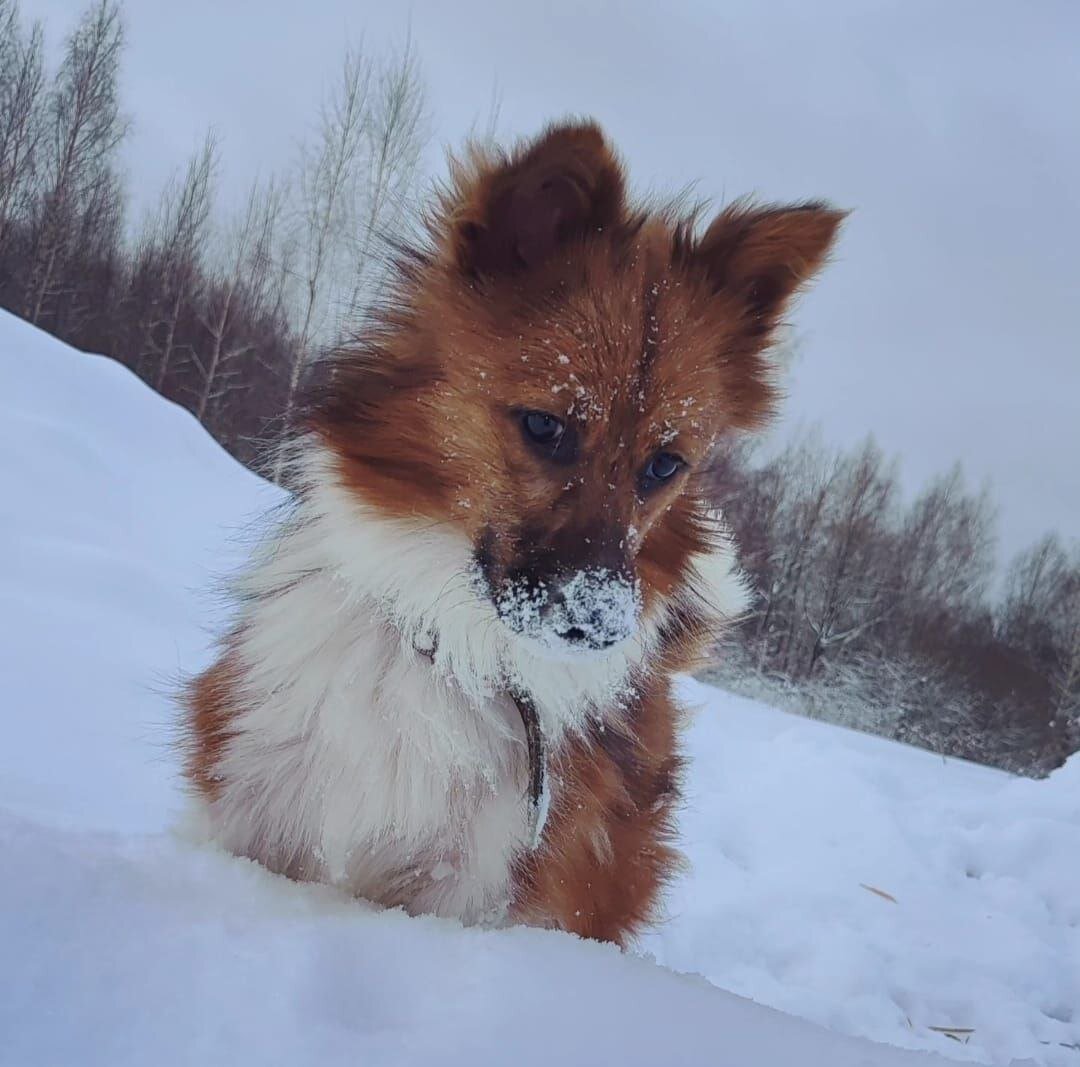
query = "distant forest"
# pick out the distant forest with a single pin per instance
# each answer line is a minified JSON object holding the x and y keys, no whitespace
{"x":872,"y":610}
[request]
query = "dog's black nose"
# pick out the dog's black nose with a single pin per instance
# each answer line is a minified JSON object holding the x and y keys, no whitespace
{"x":575,"y":635}
{"x":592,"y":609}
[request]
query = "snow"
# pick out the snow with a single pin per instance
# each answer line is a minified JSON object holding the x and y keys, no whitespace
{"x":859,"y":891}
{"x":601,"y":606}
{"x":796,"y":828}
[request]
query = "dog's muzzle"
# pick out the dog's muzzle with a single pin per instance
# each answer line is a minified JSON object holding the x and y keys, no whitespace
{"x":587,"y":611}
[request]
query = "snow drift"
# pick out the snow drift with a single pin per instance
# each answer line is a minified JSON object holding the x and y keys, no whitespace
{"x":879,"y":892}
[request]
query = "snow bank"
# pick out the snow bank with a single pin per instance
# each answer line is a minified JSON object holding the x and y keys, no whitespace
{"x":117,"y":513}
{"x":797,"y":828}
{"x":135,"y":950}
{"x":123,"y":945}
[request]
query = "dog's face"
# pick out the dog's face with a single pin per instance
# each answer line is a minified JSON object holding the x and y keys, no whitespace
{"x":555,"y":375}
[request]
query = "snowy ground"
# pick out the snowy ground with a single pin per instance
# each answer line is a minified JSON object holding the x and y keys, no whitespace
{"x":868,"y":891}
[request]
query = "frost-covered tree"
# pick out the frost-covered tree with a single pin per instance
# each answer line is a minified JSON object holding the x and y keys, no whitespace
{"x":944,"y":554}
{"x":848,"y":592}
{"x":1041,"y":614}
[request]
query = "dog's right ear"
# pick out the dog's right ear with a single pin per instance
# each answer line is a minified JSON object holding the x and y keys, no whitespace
{"x":517,"y":214}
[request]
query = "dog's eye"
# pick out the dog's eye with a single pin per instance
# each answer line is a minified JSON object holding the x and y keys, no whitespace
{"x":663,"y":466}
{"x":542,"y":428}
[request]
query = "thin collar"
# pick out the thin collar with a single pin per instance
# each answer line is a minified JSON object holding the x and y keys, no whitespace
{"x":534,"y":740}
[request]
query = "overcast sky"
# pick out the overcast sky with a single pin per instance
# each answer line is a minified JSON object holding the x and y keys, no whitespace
{"x":947,"y":325}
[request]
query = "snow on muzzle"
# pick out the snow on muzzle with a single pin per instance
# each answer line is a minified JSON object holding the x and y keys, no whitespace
{"x":589,"y":610}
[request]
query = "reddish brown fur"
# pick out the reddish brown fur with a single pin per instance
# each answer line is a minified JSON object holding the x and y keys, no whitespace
{"x":608,"y":847}
{"x":210,"y":699}
{"x":541,"y":289}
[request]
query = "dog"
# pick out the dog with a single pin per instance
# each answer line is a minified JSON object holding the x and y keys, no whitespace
{"x":449,"y":683}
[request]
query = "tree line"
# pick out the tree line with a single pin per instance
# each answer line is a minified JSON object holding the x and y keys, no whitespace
{"x":871,"y":610}
{"x":879,"y":612}
{"x":224,"y":316}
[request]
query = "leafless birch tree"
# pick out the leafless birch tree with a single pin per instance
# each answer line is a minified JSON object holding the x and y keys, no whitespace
{"x":247,"y":283}
{"x":168,"y":260}
{"x":352,"y":191}
{"x":22,"y":85}
{"x":395,"y":135}
{"x":85,"y":127}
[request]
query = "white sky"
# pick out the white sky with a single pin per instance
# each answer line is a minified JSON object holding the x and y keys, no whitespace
{"x":947,"y":324}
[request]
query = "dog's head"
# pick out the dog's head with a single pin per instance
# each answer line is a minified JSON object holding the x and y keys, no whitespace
{"x":554,"y":373}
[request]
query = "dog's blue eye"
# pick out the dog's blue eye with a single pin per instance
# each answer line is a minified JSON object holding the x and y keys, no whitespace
{"x":662,"y":466}
{"x":544,"y":429}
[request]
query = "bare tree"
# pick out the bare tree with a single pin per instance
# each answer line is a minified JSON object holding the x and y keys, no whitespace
{"x":395,"y":135}
{"x":247,"y":284}
{"x":168,"y":260}
{"x":791,"y":495}
{"x":1031,"y":588}
{"x":1065,"y":678}
{"x":22,"y":82}
{"x":354,"y":190}
{"x":847,"y":596}
{"x":92,"y":272}
{"x":325,"y":215}
{"x":944,"y":552}
{"x":85,"y":128}
{"x":1041,"y":613}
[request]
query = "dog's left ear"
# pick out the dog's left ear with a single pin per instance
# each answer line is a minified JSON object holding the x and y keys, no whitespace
{"x":519,"y":213}
{"x":762,"y":255}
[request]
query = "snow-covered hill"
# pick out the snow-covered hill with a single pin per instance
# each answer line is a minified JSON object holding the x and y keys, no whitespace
{"x":877,"y":892}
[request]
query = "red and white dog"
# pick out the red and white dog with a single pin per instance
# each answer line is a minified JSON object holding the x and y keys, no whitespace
{"x":448,"y":686}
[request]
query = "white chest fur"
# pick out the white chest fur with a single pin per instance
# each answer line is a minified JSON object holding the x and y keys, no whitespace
{"x":357,"y":763}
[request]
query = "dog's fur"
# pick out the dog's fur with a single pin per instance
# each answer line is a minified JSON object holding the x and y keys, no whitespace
{"x":361,"y":725}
